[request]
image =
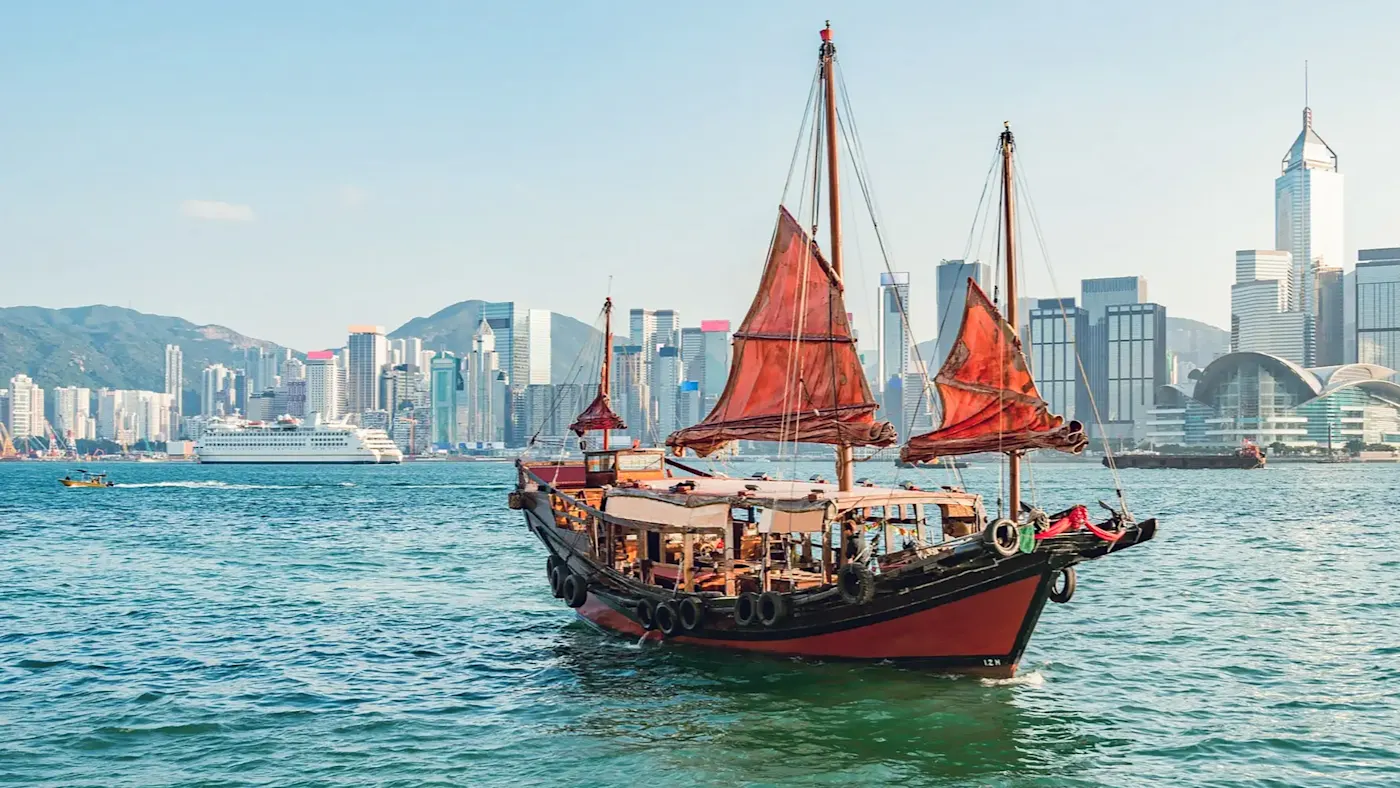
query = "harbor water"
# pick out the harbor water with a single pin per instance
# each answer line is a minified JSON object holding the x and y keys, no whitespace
{"x":391,"y":626}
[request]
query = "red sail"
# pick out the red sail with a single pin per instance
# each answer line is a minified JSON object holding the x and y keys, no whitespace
{"x":598,"y":415}
{"x":795,"y":376}
{"x":990,"y":402}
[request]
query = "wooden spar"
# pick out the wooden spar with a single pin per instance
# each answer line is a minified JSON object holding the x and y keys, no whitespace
{"x":1008,"y":206}
{"x":606,"y":378}
{"x":845,"y":455}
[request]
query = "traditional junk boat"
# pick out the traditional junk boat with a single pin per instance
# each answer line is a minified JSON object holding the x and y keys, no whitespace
{"x":644,"y":544}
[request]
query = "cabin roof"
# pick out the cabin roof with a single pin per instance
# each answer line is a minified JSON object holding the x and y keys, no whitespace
{"x":795,"y":493}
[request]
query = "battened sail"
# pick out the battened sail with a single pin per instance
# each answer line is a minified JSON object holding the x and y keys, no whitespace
{"x":990,"y":402}
{"x":796,"y":375}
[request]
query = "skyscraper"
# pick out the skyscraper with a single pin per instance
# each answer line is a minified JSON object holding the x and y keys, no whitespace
{"x":214,"y":390}
{"x":643,"y":326}
{"x":1331,"y":315}
{"x":668,"y":327}
{"x":667,"y":391}
{"x":893,"y":357}
{"x":1261,"y":319}
{"x":72,"y":412}
{"x":368,"y":352}
{"x":446,"y":382}
{"x":174,"y":385}
{"x":1137,"y":366}
{"x":1378,"y":307}
{"x":540,"y":327}
{"x":1057,"y":329}
{"x":323,"y":379}
{"x":952,"y":278}
{"x":1308,"y":214}
{"x":489,"y":389}
{"x":716,"y":362}
{"x":1096,"y":295}
{"x":632,"y":389}
{"x":510,"y":337}
{"x":693,"y":353}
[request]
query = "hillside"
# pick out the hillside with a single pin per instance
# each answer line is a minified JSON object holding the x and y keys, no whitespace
{"x":452,"y":328}
{"x":109,"y":346}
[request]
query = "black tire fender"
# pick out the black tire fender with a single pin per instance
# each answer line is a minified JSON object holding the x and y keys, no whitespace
{"x":1003,"y":536}
{"x":646,"y":614}
{"x":1063,"y":594}
{"x":668,"y":619}
{"x":692,"y":614}
{"x":746,"y":609}
{"x":772,"y":608}
{"x":575,"y":590}
{"x":557,"y":575}
{"x":856,"y":584}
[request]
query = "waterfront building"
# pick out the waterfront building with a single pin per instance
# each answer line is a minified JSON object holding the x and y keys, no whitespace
{"x":26,"y":409}
{"x":1378,"y":307}
{"x":323,"y":382}
{"x":260,"y":406}
{"x":1263,"y":318}
{"x":1331,"y":315}
{"x":1267,"y":399}
{"x":892,"y":356}
{"x":1308,"y":214}
{"x":952,"y":276}
{"x":1057,"y":329}
{"x":446,"y":381}
{"x":1137,"y":366}
{"x":175,"y":385}
{"x":917,"y":402}
{"x":715,"y":368}
{"x":292,"y":400}
{"x":368,"y":353}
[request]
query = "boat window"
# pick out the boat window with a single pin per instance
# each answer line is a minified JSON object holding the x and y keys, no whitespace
{"x":600,"y":463}
{"x":639,"y":462}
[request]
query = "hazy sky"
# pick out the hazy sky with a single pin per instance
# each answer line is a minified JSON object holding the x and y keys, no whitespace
{"x":287,"y":169}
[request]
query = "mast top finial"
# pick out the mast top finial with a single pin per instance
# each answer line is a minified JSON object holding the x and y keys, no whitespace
{"x":826,"y":32}
{"x":1006,"y":124}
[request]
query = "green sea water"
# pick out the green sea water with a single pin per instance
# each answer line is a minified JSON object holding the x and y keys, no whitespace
{"x":322,"y":626}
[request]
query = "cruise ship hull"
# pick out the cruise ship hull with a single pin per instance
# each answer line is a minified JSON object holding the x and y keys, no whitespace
{"x":283,"y":459}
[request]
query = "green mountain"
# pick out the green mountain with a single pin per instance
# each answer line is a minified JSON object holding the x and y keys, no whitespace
{"x":108,"y":346}
{"x":573,"y":343}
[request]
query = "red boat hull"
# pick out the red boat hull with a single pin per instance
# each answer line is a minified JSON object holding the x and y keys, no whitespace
{"x":982,"y":634}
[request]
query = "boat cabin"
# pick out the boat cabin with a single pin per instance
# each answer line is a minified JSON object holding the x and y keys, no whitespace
{"x":724,"y":536}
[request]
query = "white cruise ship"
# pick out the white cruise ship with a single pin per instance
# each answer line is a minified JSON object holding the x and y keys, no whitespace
{"x":289,"y":440}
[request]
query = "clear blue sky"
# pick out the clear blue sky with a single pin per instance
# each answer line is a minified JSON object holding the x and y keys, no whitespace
{"x":286,"y":169}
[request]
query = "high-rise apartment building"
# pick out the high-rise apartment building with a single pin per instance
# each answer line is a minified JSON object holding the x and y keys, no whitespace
{"x":175,"y":385}
{"x":323,"y":382}
{"x":1262,"y":319}
{"x":952,"y":276}
{"x":72,"y":412}
{"x":368,"y":353}
{"x":215,"y":393}
{"x":26,"y":408}
{"x":1308,"y":212}
{"x":1378,"y":307}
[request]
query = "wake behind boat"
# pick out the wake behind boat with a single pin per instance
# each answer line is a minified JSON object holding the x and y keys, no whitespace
{"x":644,"y":544}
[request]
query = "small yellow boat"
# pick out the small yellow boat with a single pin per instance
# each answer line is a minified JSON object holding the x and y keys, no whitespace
{"x":86,"y":479}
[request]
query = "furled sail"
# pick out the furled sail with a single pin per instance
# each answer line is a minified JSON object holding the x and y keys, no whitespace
{"x":795,"y":375}
{"x":599,"y":415}
{"x":990,"y":402}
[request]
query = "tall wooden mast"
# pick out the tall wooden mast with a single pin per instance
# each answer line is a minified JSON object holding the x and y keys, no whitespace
{"x":1008,"y":197}
{"x":845,"y":456}
{"x":605,"y":379}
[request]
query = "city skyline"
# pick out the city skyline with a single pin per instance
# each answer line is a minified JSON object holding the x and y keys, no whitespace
{"x":380,"y":174}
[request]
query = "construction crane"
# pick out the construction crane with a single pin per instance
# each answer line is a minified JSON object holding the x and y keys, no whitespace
{"x":7,"y":446}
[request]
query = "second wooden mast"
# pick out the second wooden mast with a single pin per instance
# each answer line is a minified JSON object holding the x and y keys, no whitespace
{"x":845,"y":455}
{"x":1008,"y":144}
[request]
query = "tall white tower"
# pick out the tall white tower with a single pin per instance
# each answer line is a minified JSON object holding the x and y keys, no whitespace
{"x":1308,"y":222}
